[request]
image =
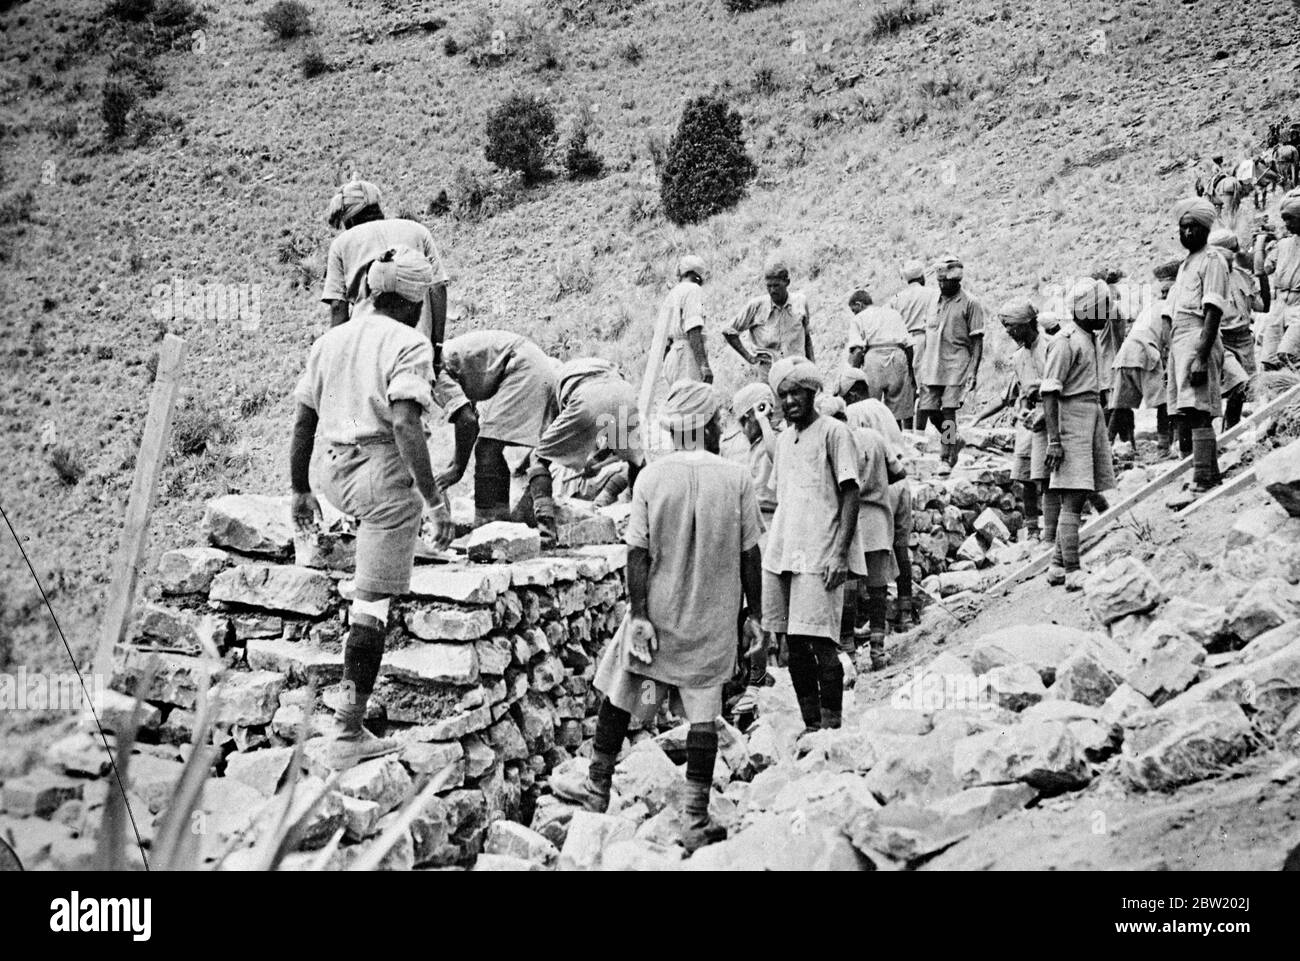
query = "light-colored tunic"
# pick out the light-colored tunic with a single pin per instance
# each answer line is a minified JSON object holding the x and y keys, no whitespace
{"x":915,"y":302}
{"x":682,"y":312}
{"x":950,"y":331}
{"x":881,"y":333}
{"x":511,"y":380}
{"x":810,"y":467}
{"x":780,"y":330}
{"x":598,"y":408}
{"x":1202,"y":279}
{"x":1027,"y":365}
{"x":1070,"y":371}
{"x":1141,"y":358}
{"x":357,"y":246}
{"x":696,"y":514}
{"x":875,"y":514}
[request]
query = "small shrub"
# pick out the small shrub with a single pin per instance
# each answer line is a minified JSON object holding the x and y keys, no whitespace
{"x":706,"y":169}
{"x":68,"y":464}
{"x":115,"y":107}
{"x":520,"y":135}
{"x":198,"y":428}
{"x":313,"y":62}
{"x":477,"y":195}
{"x":765,"y":81}
{"x":545,"y":52}
{"x":131,"y":11}
{"x":177,"y":16}
{"x":287,"y":19}
{"x":257,"y":401}
{"x":16,"y":207}
{"x":439,"y":206}
{"x":65,"y":126}
{"x":147,"y":124}
{"x":902,"y":14}
{"x":642,"y":207}
{"x":449,"y":46}
{"x":580,"y":161}
{"x":744,"y":6}
{"x":631,"y":53}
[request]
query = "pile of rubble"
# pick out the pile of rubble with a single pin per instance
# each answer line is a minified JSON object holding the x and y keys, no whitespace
{"x":487,"y":668}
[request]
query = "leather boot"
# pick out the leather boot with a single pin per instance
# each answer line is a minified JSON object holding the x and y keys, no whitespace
{"x":698,"y":829}
{"x":352,"y":743}
{"x":1205,"y":460}
{"x":592,"y":790}
{"x":831,"y":719}
{"x":540,"y":487}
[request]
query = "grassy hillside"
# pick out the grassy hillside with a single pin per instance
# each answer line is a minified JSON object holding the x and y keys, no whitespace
{"x":1034,"y":141}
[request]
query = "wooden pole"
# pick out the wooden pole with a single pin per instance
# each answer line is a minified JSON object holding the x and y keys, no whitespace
{"x":1238,"y":483}
{"x":1104,"y":520}
{"x":148,"y":465}
{"x":654,"y":364}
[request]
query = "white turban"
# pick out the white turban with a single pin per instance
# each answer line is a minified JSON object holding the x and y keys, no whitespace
{"x":1225,"y":239}
{"x":913,"y":270}
{"x":1198,"y":208}
{"x":690,"y":405}
{"x":1291,"y":203}
{"x":802,"y":371}
{"x":690,"y":264}
{"x":750,"y":396}
{"x":352,"y":198}
{"x":948,"y":268}
{"x":874,"y":414}
{"x":830,"y":405}
{"x":400,"y":271}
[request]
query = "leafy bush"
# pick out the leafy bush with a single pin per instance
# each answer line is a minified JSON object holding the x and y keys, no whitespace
{"x":314,"y":63}
{"x":580,"y":161}
{"x":905,"y":13}
{"x":477,"y":195}
{"x":179,"y":16}
{"x":131,"y":11}
{"x":68,"y":464}
{"x":765,"y":80}
{"x":520,"y":135}
{"x":198,"y":428}
{"x":115,"y":107}
{"x":744,"y":6}
{"x":16,"y":206}
{"x":631,"y":53}
{"x":288,"y":19}
{"x":706,"y":169}
{"x":449,"y":46}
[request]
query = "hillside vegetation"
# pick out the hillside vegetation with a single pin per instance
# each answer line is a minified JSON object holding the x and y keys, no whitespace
{"x":1033,"y":140}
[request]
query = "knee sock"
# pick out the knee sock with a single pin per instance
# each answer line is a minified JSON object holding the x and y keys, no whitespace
{"x":927,"y":417}
{"x":1067,"y":528}
{"x":830,"y":675}
{"x":491,"y":477}
{"x":611,"y":728}
{"x":904,"y":579}
{"x":1029,"y":494}
{"x":877,"y":608}
{"x":803,"y":675}
{"x":1184,"y":433}
{"x":361,"y":656}
{"x":1051,"y":514}
{"x":1162,"y":423}
{"x":701,"y":752}
{"x":1232,"y":409}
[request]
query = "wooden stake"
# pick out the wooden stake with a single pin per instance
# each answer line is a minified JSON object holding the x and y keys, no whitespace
{"x":148,"y":464}
{"x":1104,"y":520}
{"x":1238,"y":483}
{"x":654,"y":364}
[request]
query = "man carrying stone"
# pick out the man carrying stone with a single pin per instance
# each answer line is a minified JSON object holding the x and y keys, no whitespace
{"x":693,"y":565}
{"x":777,"y":323}
{"x":365,"y":234}
{"x":812,"y":547}
{"x":954,"y":345}
{"x":1078,"y":453}
{"x":1194,"y":308}
{"x":879,"y":344}
{"x":366,"y":386}
{"x":513,"y":383}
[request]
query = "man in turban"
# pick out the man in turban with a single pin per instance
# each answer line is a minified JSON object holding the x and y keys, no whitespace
{"x":1077,"y":457}
{"x":777,"y":324}
{"x":693,"y":572}
{"x":879,"y":344}
{"x":1235,"y":327}
{"x":366,"y":233}
{"x":513,"y":383}
{"x":954,"y":344}
{"x":812,"y":546}
{"x":1195,"y":307}
{"x":366,"y":386}
{"x":1020,"y":320}
{"x":914,"y":302}
{"x":1282,"y":266}
{"x":682,"y":316}
{"x":1140,"y":369}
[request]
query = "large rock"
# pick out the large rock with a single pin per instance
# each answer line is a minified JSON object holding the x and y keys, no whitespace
{"x":640,"y":855}
{"x":247,"y":698}
{"x":919,"y":771}
{"x":301,"y":590}
{"x":190,"y":570}
{"x":382,"y":780}
{"x":503,"y":542}
{"x":82,"y":753}
{"x":836,"y":797}
{"x":183,"y":631}
{"x":591,"y":530}
{"x":302,"y":662}
{"x":251,"y":523}
{"x":429,"y":662}
{"x":261,"y":770}
{"x":515,"y":840}
{"x":1180,"y":743}
{"x":1265,"y":605}
{"x":1123,"y":704}
{"x":1203,"y":623}
{"x":1044,"y":755}
{"x":326,"y":817}
{"x":1268,"y":687}
{"x":1167,"y":669}
{"x":449,"y":624}
{"x":588,"y":835}
{"x":1279,"y":472}
{"x":40,"y":793}
{"x":1082,"y":677}
{"x":1014,"y":686}
{"x":1123,"y":587}
{"x":781,"y":842}
{"x":1041,"y":646}
{"x":1270,"y":642}
{"x":647,"y":775}
{"x":479,"y":584}
{"x":173,"y":678}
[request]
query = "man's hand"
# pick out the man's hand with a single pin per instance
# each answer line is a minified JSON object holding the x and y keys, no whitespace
{"x":835,"y":575}
{"x":306,"y":512}
{"x":971,"y":383}
{"x":761,"y":358}
{"x":450,"y":477}
{"x":757,"y":637}
{"x":1055,"y":455}
{"x":440,"y":526}
{"x":642,"y":640}
{"x":1199,"y":375}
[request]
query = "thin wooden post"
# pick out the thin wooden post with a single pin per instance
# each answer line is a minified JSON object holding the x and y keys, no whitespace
{"x":1105,"y":519}
{"x":135,"y":530}
{"x":654,"y":364}
{"x":1238,"y":483}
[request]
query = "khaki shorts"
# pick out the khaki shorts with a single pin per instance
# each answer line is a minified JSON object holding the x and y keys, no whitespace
{"x":799,"y":604}
{"x":371,"y":483}
{"x":939,"y":397}
{"x":642,"y":696}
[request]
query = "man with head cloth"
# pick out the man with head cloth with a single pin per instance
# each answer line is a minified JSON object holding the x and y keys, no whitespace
{"x":682,"y":316}
{"x":914,"y":302}
{"x":1140,"y":369}
{"x":365,"y":234}
{"x":776,"y":324}
{"x":366,"y":386}
{"x":1281,"y":264}
{"x":1193,"y":310}
{"x":1078,"y":457}
{"x":1020,"y":320}
{"x":879,"y":344}
{"x":693,"y":574}
{"x":1235,"y":327}
{"x":954,"y":344}
{"x":812,"y":547}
